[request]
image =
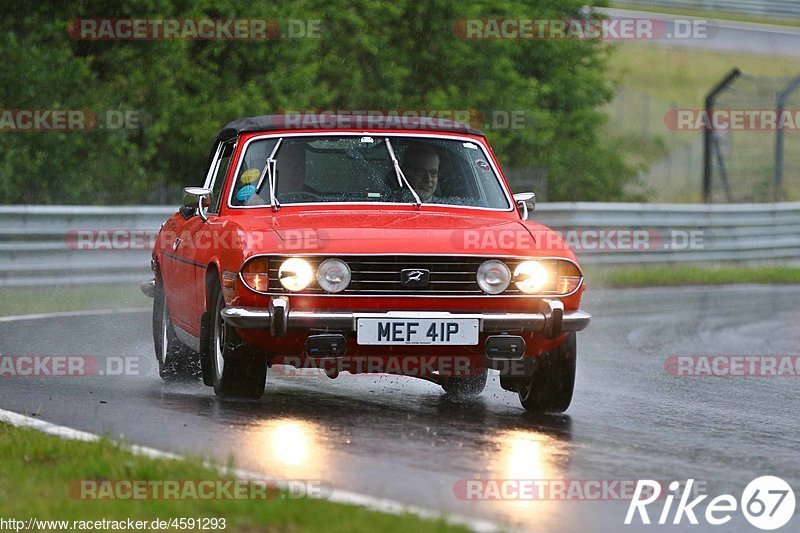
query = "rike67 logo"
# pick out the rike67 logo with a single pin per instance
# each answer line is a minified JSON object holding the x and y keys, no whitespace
{"x":768,"y":503}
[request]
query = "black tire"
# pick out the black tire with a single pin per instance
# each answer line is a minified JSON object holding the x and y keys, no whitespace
{"x":550,"y":388}
{"x":206,"y":356}
{"x":176,"y":361}
{"x":466,"y":386}
{"x":236,"y":372}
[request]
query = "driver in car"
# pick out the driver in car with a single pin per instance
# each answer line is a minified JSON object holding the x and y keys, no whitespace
{"x":421,"y":168}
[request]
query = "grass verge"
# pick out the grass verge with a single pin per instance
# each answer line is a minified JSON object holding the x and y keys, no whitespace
{"x":25,"y":300}
{"x":38,"y":468}
{"x":684,"y":76}
{"x":686,"y":275}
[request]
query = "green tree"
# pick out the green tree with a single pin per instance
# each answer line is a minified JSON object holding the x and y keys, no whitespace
{"x":370,"y":55}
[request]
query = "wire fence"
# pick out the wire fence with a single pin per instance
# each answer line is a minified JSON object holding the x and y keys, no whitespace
{"x":753,"y":142}
{"x":742,"y":147}
{"x":675,"y":175}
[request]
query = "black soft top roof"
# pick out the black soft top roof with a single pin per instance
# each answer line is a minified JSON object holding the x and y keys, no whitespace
{"x":327,"y":122}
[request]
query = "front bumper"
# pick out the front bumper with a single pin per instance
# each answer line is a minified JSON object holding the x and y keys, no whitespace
{"x":551,"y":319}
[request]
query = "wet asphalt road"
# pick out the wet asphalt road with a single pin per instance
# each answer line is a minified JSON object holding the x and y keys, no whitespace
{"x":400,"y":438}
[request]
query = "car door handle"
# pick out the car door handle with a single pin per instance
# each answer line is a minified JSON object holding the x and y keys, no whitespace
{"x":176,"y":244}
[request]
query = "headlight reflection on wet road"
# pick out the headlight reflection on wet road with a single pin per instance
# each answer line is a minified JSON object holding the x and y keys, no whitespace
{"x":288,"y":447}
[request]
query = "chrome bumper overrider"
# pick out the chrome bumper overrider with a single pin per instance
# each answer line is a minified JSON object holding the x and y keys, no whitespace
{"x":550,"y":320}
{"x":148,"y":287}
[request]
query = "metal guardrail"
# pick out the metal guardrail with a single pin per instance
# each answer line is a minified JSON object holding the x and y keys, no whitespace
{"x":766,"y":8}
{"x":37,"y":245}
{"x":679,"y":233}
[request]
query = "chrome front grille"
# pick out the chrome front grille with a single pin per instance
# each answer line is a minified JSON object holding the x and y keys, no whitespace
{"x":378,"y":275}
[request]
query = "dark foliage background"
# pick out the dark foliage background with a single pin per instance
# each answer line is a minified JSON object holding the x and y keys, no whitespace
{"x":370,"y":54}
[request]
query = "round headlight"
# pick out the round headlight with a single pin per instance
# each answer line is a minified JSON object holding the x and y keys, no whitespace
{"x":333,"y":275}
{"x":493,"y":277}
{"x":295,"y":274}
{"x":530,"y":276}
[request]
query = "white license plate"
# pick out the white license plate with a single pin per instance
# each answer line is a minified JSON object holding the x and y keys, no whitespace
{"x":419,"y":331}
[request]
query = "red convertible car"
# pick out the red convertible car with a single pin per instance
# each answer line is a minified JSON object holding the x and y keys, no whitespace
{"x":356,"y":244}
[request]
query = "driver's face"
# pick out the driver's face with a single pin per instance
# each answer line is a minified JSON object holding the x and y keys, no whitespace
{"x":423,"y":175}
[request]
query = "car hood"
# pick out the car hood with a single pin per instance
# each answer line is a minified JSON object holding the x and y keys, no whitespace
{"x":395,"y":231}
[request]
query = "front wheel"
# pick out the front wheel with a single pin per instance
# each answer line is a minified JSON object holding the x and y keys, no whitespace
{"x":176,"y":361}
{"x":236,"y":372}
{"x":549,"y":389}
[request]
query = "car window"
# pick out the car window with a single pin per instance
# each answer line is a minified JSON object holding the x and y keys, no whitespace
{"x":249,"y":173}
{"x":220,"y":168}
{"x":359,"y":168}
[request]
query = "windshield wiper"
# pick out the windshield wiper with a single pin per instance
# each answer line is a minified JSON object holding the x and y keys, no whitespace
{"x":270,"y":173}
{"x":401,"y":178}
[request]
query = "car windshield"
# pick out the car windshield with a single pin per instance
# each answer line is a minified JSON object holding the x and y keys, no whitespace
{"x":367,"y":168}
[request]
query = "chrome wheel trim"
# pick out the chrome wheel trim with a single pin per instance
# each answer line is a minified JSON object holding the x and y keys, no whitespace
{"x":164,"y":337}
{"x":525,"y":389}
{"x":219,"y":342}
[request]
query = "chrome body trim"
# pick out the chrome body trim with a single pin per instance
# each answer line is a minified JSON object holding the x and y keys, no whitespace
{"x":279,"y":314}
{"x":260,"y":318}
{"x":553,"y":311}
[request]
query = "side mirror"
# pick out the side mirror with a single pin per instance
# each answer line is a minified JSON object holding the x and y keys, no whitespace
{"x":195,"y":200}
{"x":526,"y":202}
